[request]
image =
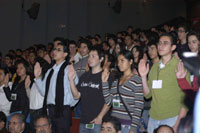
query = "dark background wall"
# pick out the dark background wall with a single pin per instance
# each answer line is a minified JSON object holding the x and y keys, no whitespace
{"x":71,"y":18}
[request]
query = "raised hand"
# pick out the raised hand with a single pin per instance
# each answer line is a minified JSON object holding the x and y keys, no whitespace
{"x":37,"y":70}
{"x":71,"y":73}
{"x":180,"y":71}
{"x":47,"y":58}
{"x":27,"y":82}
{"x":143,"y":68}
{"x":87,"y":68}
{"x":71,"y":59}
{"x":105,"y":75}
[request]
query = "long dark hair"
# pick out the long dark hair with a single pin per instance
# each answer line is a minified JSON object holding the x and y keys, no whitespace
{"x":129,"y":56}
{"x":26,"y":66}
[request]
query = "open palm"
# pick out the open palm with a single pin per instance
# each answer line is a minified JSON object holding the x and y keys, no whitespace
{"x":143,"y":68}
{"x":180,"y":72}
{"x":37,"y":70}
{"x":71,"y":72}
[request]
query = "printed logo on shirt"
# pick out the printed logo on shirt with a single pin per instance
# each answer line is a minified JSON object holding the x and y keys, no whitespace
{"x":90,"y":84}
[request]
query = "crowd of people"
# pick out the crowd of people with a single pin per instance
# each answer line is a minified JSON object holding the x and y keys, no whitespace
{"x":133,"y":81}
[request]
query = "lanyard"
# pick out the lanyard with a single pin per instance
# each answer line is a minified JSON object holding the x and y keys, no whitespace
{"x":158,"y":71}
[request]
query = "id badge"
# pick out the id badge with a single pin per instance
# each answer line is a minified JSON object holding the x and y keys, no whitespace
{"x":89,"y":126}
{"x":116,"y":103}
{"x":13,"y":97}
{"x":157,"y":84}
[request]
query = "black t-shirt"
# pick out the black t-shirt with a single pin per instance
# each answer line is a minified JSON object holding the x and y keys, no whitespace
{"x":181,"y":48}
{"x":92,"y":100}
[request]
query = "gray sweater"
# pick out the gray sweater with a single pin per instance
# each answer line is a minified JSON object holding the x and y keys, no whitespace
{"x":132,"y":95}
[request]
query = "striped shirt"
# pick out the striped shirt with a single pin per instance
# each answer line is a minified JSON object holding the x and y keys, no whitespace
{"x":133,"y":97}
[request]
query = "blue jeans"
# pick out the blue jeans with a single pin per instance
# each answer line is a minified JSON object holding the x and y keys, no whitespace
{"x":153,"y":124}
{"x":77,"y":110}
{"x":125,"y":128}
{"x":83,"y":129}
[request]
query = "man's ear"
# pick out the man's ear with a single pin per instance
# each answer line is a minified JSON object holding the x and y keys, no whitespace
{"x":102,"y":58}
{"x":131,"y":61}
{"x":23,"y":126}
{"x":173,"y":47}
{"x":66,"y":54}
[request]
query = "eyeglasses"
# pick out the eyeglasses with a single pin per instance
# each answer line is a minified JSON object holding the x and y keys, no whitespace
{"x":13,"y":123}
{"x":42,"y":126}
{"x":181,"y":31}
{"x":58,"y":49}
{"x":165,"y":43}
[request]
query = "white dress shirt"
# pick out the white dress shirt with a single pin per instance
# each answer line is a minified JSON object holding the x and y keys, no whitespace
{"x":4,"y":103}
{"x":36,"y":99}
{"x":68,"y":98}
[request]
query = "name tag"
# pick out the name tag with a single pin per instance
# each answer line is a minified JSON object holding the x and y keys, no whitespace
{"x":116,"y":103}
{"x":13,"y":96}
{"x":191,"y":78}
{"x":157,"y":84}
{"x":89,"y":126}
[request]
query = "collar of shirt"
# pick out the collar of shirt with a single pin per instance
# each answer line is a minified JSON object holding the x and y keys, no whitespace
{"x":1,"y":89}
{"x":57,"y":67}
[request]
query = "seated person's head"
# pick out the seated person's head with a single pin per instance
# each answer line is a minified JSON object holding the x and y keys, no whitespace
{"x":2,"y":120}
{"x":43,"y":124}
{"x":164,"y":129}
{"x":17,"y":123}
{"x":111,"y":125}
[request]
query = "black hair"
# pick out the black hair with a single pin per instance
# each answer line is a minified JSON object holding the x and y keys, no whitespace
{"x":149,"y":44}
{"x":105,"y":42}
{"x":173,"y":41}
{"x":129,"y":56}
{"x":26,"y":66}
{"x":87,"y":42}
{"x":50,"y":44}
{"x":31,"y":49}
{"x":140,"y":50}
{"x":111,"y":58}
{"x":42,"y":116}
{"x":10,"y":56}
{"x":12,"y":51}
{"x":59,"y":39}
{"x":94,"y":38}
{"x":65,"y":47}
{"x":19,"y":50}
{"x":72,"y":42}
{"x":41,"y":47}
{"x":156,"y":130}
{"x":97,"y":35}
{"x":151,"y":36}
{"x":33,"y":53}
{"x":137,"y":31}
{"x":185,"y":26}
{"x":100,"y":53}
{"x":113,"y":37}
{"x":193,"y":33}
{"x":3,"y":117}
{"x":120,"y":38}
{"x":115,"y":122}
{"x":122,"y":46}
{"x":20,"y":116}
{"x":5,"y":70}
{"x":175,"y":36}
{"x":129,"y":36}
{"x":130,"y":27}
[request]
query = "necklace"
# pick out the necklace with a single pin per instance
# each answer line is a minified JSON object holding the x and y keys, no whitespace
{"x":125,"y":78}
